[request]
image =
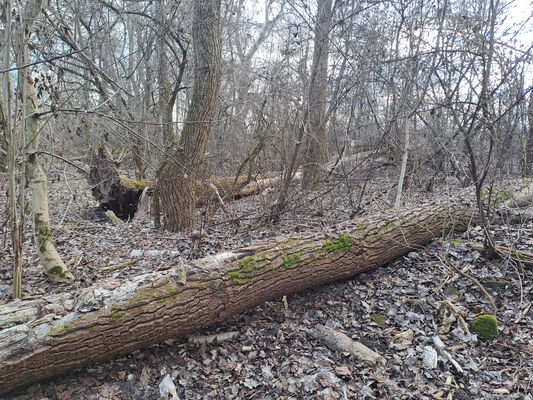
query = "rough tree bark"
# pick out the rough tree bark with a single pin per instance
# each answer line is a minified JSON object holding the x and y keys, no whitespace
{"x":110,"y":322}
{"x":317,"y":138}
{"x":177,"y":177}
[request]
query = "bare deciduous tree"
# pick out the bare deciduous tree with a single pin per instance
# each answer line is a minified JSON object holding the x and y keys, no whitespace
{"x":317,"y":137}
{"x":177,"y":177}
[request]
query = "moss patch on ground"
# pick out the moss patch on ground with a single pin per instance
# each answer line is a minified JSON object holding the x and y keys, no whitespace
{"x":379,"y":319}
{"x":486,"y":326}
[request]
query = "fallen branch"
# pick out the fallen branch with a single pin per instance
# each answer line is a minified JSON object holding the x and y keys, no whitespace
{"x":522,"y":199}
{"x":520,"y":256}
{"x":220,"y":201}
{"x":117,"y":192}
{"x":113,"y":218}
{"x":340,"y":342}
{"x":445,"y":354}
{"x":114,"y":267}
{"x":219,"y":337}
{"x":523,"y":313}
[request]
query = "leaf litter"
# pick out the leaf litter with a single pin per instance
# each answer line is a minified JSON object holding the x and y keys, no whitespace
{"x":271,"y":355}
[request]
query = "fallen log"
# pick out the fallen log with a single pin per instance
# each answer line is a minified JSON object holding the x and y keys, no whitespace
{"x":522,"y":199}
{"x":120,"y":194}
{"x":49,"y":336}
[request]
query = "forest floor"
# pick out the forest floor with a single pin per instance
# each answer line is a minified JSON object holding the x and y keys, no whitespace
{"x":272,"y":355}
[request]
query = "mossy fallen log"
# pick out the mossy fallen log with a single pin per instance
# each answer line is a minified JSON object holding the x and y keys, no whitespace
{"x":100,"y":324}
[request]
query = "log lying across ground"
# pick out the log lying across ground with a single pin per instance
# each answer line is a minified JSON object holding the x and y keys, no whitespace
{"x":49,"y":336}
{"x":120,"y":194}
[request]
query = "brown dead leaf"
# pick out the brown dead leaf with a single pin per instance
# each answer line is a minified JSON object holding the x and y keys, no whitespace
{"x":342,"y":371}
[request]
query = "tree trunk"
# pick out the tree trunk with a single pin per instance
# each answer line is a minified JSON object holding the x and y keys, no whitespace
{"x":54,"y":266}
{"x":4,"y":131}
{"x":180,"y":301}
{"x":405,"y":155}
{"x":11,"y":143}
{"x":163,"y":73}
{"x":528,"y":170}
{"x":177,"y":177}
{"x":317,"y":138}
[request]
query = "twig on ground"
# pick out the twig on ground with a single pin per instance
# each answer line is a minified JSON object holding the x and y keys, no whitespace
{"x":285,"y":302}
{"x":445,"y":354}
{"x":523,"y":313}
{"x":113,"y":218}
{"x":114,"y":267}
{"x":507,"y":252}
{"x":220,"y":201}
{"x":444,"y":260}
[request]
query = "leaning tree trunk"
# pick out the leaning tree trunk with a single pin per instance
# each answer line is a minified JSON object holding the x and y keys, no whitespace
{"x":180,"y":301}
{"x":177,"y":177}
{"x":54,"y":266}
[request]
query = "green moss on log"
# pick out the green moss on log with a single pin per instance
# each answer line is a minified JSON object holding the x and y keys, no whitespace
{"x":416,"y":228}
{"x":342,"y":244}
{"x":56,"y":330}
{"x":133,"y":184}
{"x":247,"y":264}
{"x":116,"y":316}
{"x":290,"y":261}
{"x":390,"y":225}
